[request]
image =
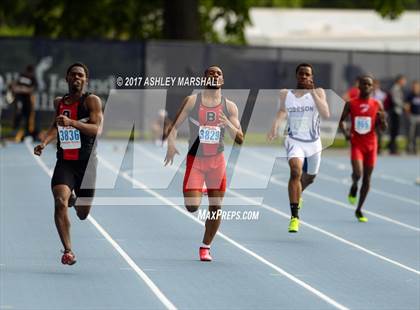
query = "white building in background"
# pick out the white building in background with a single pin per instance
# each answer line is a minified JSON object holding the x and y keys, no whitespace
{"x":334,"y":29}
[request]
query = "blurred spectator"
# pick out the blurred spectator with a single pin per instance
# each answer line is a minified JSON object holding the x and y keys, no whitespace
{"x":23,"y":89}
{"x":396,"y":111}
{"x":381,"y":96}
{"x":2,"y":92}
{"x":413,"y":109}
{"x":158,"y":126}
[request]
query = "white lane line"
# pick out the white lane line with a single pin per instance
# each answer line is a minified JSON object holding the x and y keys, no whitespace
{"x":284,"y":184}
{"x":336,"y":237}
{"x":164,"y":200}
{"x":383,"y":176}
{"x":158,"y":293}
{"x":347,"y":182}
{"x":395,"y":179}
{"x":149,"y":201}
{"x":344,"y":205}
{"x":308,"y":192}
{"x":343,"y":181}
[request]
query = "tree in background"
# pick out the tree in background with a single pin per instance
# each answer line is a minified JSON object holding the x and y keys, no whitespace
{"x":157,"y":19}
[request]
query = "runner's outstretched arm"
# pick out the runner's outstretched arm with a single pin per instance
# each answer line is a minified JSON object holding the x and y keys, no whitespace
{"x":342,"y":125}
{"x":232,"y":123}
{"x":321,"y":102}
{"x":383,"y":125}
{"x":280,"y":116}
{"x":51,"y":134}
{"x":172,"y":131}
{"x":94,"y":125}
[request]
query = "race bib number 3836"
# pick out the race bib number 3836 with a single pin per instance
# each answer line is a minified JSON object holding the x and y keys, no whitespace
{"x":209,"y":134}
{"x":69,"y":137}
{"x":362,"y":124}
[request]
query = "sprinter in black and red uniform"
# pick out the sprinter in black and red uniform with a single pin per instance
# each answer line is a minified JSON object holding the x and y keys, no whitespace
{"x":209,"y":115}
{"x":77,"y":122}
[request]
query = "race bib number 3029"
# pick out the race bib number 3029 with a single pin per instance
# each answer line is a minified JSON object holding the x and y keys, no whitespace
{"x":209,"y":134}
{"x":69,"y":137}
{"x":362,"y":124}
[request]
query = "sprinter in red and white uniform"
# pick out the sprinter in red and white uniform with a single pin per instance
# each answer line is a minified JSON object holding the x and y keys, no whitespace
{"x":77,"y":122}
{"x":365,"y":112}
{"x":209,"y":115}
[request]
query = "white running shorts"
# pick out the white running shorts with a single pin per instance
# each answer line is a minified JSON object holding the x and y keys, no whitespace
{"x":308,"y":152}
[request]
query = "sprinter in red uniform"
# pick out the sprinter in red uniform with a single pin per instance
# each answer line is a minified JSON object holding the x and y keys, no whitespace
{"x":364,"y":112}
{"x":77,"y":122}
{"x":209,"y":116}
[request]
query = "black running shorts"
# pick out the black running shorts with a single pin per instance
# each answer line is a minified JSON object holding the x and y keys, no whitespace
{"x":71,"y":173}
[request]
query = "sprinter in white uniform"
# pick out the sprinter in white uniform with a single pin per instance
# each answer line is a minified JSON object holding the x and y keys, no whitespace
{"x":302,"y":107}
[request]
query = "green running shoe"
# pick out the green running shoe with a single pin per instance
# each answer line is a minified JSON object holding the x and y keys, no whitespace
{"x":300,"y":205}
{"x":294,"y":225}
{"x":352,"y":199}
{"x":360,"y":217}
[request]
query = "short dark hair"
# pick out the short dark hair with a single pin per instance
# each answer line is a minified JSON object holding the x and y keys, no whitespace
{"x":364,"y":76}
{"x":30,"y":68}
{"x":207,"y":69}
{"x":399,"y":77}
{"x":304,"y":64}
{"x":78,"y":64}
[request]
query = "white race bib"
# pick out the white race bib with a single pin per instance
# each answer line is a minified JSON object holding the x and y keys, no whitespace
{"x":209,"y":134}
{"x":362,"y":124}
{"x":69,"y":137}
{"x":299,"y":125}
